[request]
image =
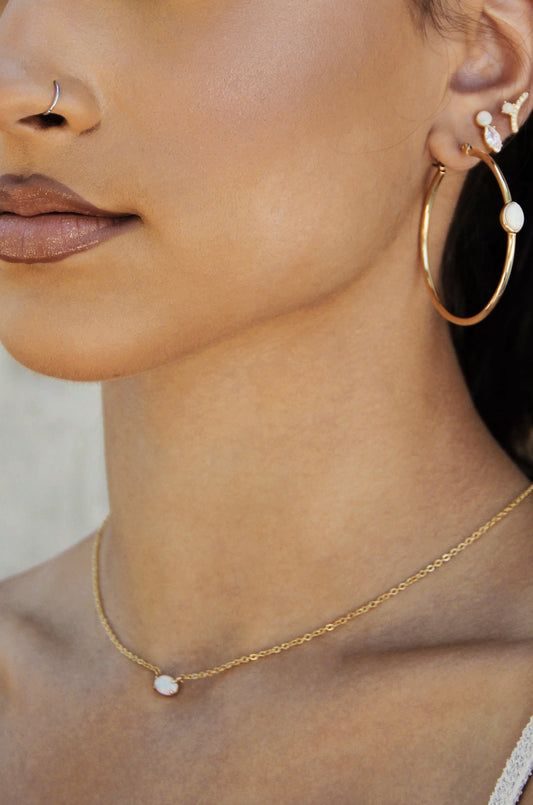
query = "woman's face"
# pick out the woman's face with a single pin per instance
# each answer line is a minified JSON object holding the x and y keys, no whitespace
{"x":270,"y":151}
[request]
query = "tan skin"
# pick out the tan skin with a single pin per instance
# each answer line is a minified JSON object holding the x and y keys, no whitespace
{"x":287,"y":429}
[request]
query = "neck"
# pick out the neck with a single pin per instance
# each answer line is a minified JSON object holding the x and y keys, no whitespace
{"x":256,"y":485}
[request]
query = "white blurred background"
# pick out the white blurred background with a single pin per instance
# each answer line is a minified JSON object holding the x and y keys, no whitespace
{"x":52,"y":478}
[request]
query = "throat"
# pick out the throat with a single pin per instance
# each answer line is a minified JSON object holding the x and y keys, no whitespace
{"x":264,"y":488}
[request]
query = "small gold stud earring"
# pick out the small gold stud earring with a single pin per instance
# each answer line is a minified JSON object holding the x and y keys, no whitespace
{"x":513,"y":110}
{"x":491,"y":134}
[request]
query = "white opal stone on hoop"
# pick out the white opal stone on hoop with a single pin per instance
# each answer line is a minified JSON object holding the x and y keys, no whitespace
{"x":491,"y":135}
{"x":512,"y":217}
{"x":166,"y":685}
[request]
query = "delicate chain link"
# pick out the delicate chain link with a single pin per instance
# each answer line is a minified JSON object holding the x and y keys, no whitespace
{"x":305,"y":638}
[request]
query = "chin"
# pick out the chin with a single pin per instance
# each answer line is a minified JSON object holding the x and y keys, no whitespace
{"x":84,"y":343}
{"x":62,"y":364}
{"x":74,"y":356}
{"x":99,"y":352}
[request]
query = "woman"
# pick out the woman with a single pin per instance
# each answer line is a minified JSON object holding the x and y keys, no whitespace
{"x":214,"y":209}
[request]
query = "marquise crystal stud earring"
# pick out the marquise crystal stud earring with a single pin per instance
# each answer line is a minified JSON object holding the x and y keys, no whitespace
{"x":491,"y":135}
{"x":513,"y":110}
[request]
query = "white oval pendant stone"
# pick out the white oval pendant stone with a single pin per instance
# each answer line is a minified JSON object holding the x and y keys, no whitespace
{"x":512,"y":217}
{"x":166,"y":685}
{"x":493,"y":139}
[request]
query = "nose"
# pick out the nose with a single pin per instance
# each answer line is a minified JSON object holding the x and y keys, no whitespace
{"x":24,"y":100}
{"x":37,"y":47}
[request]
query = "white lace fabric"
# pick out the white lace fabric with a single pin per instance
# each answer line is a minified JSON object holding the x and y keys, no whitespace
{"x":517,"y":772}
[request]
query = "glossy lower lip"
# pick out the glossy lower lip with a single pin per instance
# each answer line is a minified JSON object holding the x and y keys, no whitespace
{"x":53,"y":236}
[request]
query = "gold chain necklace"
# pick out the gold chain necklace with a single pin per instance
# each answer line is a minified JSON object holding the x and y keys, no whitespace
{"x":168,"y":685}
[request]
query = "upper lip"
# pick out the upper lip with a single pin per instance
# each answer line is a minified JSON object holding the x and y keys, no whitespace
{"x":38,"y":195}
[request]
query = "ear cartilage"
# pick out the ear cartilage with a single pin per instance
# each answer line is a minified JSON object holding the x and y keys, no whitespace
{"x":513,"y":110}
{"x":491,"y":135}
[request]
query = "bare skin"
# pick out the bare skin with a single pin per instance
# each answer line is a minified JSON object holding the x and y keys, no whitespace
{"x":287,"y":430}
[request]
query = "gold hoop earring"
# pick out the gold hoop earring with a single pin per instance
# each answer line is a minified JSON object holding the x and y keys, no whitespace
{"x":511,"y":219}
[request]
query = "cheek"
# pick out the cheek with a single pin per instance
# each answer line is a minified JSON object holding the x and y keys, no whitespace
{"x":280,"y":132}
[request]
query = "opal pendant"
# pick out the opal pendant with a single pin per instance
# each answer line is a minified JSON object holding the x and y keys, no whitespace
{"x":166,"y":685}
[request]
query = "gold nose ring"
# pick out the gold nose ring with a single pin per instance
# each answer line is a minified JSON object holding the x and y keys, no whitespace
{"x":57,"y":90}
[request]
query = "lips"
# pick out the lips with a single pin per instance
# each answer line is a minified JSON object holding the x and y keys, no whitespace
{"x":42,"y":220}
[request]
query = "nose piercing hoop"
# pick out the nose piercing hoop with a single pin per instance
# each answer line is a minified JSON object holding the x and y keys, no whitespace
{"x":57,"y":90}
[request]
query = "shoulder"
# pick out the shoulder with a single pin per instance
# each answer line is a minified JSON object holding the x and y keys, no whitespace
{"x":40,"y":611}
{"x":48,"y":670}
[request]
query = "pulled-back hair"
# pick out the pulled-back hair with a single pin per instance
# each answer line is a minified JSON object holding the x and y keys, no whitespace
{"x":496,"y":356}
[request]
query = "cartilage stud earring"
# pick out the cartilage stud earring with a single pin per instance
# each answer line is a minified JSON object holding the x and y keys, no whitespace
{"x":513,"y":110}
{"x":491,"y":135}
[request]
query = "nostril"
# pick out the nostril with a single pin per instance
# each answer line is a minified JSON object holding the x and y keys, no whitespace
{"x":44,"y":121}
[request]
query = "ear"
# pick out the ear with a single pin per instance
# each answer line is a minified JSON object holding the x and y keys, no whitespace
{"x":493,"y":56}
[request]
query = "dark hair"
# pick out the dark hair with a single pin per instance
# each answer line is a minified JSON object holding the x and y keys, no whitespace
{"x":496,"y":356}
